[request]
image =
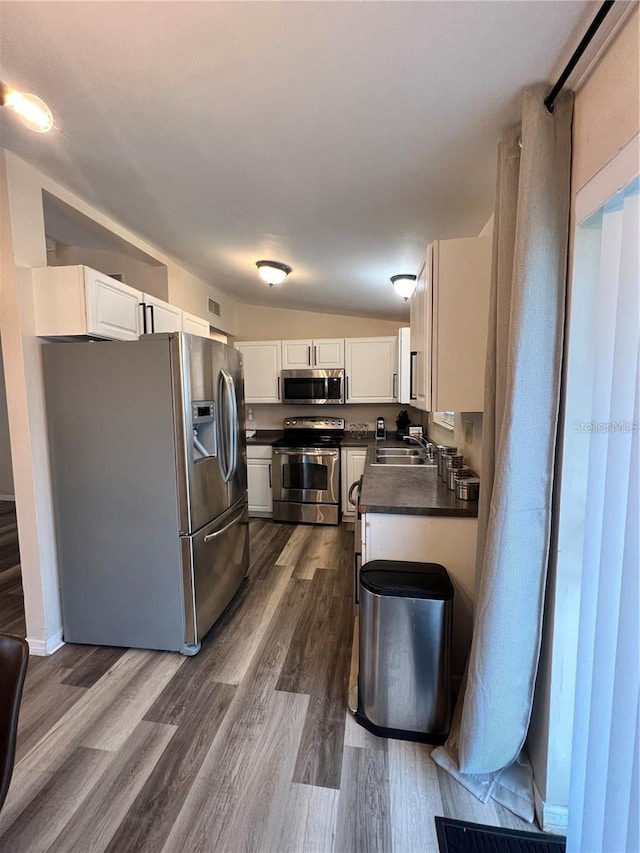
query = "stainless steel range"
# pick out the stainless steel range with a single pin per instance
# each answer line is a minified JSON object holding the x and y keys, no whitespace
{"x":306,"y":471}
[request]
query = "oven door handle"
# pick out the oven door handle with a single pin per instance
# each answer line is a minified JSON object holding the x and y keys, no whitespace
{"x":328,"y":453}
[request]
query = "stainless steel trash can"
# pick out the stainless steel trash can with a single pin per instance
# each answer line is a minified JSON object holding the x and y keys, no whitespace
{"x":405,"y":649}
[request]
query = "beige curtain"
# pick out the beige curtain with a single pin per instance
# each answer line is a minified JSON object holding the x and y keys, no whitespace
{"x":522,"y":389}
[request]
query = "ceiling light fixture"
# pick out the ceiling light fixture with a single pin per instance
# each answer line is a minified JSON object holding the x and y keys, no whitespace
{"x":404,"y":285}
{"x":273,"y":272}
{"x":32,"y":110}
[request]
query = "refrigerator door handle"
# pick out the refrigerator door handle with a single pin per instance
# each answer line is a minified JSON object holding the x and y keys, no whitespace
{"x":222,"y":530}
{"x":233,"y":424}
{"x":228,"y":413}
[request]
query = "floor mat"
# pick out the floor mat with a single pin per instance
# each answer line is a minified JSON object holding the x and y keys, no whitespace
{"x":458,"y":836}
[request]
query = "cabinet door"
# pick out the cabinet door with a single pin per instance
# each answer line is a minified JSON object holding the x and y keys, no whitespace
{"x":261,"y":371}
{"x":259,"y":485}
{"x":353,"y":462}
{"x":194,"y":325}
{"x":160,"y":316}
{"x":296,"y":355}
{"x":371,"y":369}
{"x":328,"y":353}
{"x":113,"y":308}
{"x":462,"y":278}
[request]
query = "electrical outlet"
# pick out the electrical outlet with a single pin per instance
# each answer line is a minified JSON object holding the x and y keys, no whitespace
{"x":468,"y":432}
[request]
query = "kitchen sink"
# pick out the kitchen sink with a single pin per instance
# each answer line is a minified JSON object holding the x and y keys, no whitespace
{"x":398,"y":451}
{"x":399,"y":460}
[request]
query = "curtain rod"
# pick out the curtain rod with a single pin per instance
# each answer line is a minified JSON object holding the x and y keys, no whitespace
{"x":571,"y":64}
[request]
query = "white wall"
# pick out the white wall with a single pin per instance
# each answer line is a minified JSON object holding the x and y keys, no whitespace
{"x":149,"y":279}
{"x":6,"y":470}
{"x":606,"y":117}
{"x":261,"y":323}
{"x":22,"y":247}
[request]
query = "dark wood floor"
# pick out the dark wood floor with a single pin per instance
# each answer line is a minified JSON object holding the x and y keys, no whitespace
{"x":9,"y":551}
{"x":248,"y":746}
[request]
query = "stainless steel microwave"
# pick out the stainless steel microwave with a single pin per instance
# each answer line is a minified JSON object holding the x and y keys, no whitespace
{"x":313,"y":387}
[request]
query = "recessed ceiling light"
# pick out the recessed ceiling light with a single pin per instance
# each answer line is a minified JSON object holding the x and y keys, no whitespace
{"x":404,"y":285}
{"x":32,"y":110}
{"x":273,"y":272}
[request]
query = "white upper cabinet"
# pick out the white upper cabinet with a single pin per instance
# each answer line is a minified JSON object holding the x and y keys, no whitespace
{"x":261,"y":370}
{"x":462,"y":281}
{"x":77,"y":300}
{"x":371,"y":369}
{"x":325,"y":353}
{"x":195,"y":325}
{"x":159,"y":316}
{"x":421,"y":310}
{"x":449,"y":321}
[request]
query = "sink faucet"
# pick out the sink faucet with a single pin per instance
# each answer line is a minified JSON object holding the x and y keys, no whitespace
{"x":426,"y":445}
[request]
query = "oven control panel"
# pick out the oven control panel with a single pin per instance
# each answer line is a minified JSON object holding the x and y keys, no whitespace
{"x":314,"y":423}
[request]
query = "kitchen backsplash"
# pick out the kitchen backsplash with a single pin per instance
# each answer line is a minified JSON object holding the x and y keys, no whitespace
{"x":271,"y":416}
{"x":466,"y":434}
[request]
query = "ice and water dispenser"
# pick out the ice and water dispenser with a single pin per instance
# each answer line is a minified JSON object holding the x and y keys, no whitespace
{"x":203,"y":421}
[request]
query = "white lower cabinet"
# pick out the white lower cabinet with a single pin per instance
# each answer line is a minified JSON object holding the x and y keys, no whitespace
{"x":450,"y":541}
{"x":259,"y":480}
{"x":352,"y":465}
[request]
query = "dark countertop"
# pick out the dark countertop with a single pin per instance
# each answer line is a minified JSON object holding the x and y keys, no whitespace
{"x":265,"y":436}
{"x":409,"y":490}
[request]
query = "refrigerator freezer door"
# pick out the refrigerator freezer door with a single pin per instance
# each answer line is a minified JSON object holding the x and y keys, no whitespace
{"x":215,"y":560}
{"x":204,"y":494}
{"x":233,"y":368}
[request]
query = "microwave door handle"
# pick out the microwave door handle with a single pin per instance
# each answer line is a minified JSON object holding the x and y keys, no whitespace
{"x":278,"y":390}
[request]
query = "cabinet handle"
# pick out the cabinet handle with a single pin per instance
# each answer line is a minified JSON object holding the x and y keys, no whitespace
{"x":153,"y":318}
{"x":346,"y":395}
{"x":412,"y":366}
{"x":315,"y":356}
{"x":394,"y":392}
{"x":144,"y":317}
{"x":310,"y":363}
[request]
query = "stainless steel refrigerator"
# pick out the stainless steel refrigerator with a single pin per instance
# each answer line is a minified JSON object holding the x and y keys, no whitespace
{"x":148,"y":459}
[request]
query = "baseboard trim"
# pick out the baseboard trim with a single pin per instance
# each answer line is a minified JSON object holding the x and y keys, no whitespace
{"x":42,"y":648}
{"x":551,"y":818}
{"x":4,"y":497}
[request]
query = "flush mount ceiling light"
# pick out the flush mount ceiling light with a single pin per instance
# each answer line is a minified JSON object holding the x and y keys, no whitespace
{"x":32,"y":110}
{"x":404,"y":285}
{"x":273,"y":272}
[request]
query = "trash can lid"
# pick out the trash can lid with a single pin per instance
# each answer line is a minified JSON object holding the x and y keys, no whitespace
{"x":406,"y":579}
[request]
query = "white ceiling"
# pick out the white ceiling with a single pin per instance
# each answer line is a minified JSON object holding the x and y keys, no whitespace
{"x":339,"y":138}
